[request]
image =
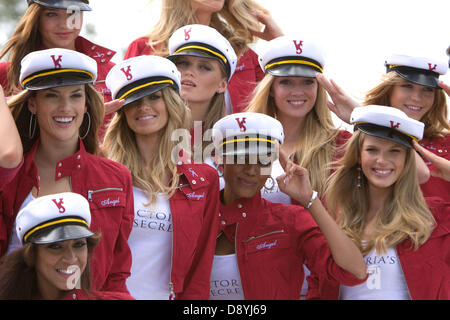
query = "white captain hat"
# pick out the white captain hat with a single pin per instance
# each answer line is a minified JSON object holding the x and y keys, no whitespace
{"x":82,"y":5}
{"x":387,"y":123}
{"x":419,"y":70}
{"x":54,"y":218}
{"x":137,"y":77}
{"x":247,"y":133}
{"x":44,"y":69}
{"x":203,"y":41}
{"x":288,"y":56}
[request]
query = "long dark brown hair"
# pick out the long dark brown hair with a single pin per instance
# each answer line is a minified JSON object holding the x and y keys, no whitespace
{"x":18,"y":274}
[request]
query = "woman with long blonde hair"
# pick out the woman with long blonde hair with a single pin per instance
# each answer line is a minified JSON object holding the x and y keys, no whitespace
{"x":58,"y":116}
{"x":176,"y":201}
{"x":375,"y":197}
{"x":239,"y":21}
{"x":412,"y":85}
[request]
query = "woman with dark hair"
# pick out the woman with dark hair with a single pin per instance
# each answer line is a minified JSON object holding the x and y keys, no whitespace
{"x":58,"y":116}
{"x":53,"y":24}
{"x":54,"y":262}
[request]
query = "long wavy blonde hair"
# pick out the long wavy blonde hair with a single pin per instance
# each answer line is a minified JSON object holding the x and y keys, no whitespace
{"x":316,"y":147}
{"x":120,"y":145}
{"x":95,"y":107}
{"x":404,"y":215}
{"x":436,"y":119}
{"x":25,"y":39}
{"x":234,"y":22}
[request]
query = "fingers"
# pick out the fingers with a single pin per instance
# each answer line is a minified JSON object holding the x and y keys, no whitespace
{"x":424,"y":152}
{"x":445,"y":87}
{"x":113,"y":106}
{"x":271,"y":30}
{"x":283,"y":158}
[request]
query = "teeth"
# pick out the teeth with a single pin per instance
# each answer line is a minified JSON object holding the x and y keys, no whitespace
{"x":414,"y":108}
{"x":297,"y":102}
{"x":383,"y":171}
{"x":188,"y":83}
{"x":65,"y":271}
{"x":63,"y":119}
{"x":146,"y":118}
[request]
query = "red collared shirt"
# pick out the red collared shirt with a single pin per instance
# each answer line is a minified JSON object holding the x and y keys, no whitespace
{"x":272,"y":242}
{"x":426,"y":270}
{"x":245,"y":78}
{"x":107,"y":186}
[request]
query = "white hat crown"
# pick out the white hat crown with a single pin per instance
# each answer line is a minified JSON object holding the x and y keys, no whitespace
{"x":55,"y":61}
{"x":437,"y":65}
{"x":131,"y":71}
{"x":200,"y":34}
{"x":52,"y":209}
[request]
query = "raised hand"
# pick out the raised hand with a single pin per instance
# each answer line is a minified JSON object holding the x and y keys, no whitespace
{"x":271,"y":29}
{"x":442,"y":164}
{"x":342,"y":104}
{"x":113,"y":106}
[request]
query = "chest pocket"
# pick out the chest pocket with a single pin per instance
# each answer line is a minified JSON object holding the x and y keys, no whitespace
{"x":107,"y":208}
{"x":269,"y":243}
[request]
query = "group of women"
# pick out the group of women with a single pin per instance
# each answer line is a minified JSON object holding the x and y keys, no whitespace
{"x":278,"y":191}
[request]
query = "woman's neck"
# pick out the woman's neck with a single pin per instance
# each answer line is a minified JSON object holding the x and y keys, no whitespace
{"x":203,"y":17}
{"x":148,"y":146}
{"x":292,"y":128}
{"x":377,"y":199}
{"x":49,"y":152}
{"x":199,"y":110}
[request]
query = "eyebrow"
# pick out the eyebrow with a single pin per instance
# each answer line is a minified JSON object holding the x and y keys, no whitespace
{"x":57,"y":91}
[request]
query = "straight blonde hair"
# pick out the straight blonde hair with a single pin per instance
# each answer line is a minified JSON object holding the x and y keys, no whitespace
{"x":120,"y":145}
{"x":435,"y":120}
{"x":316,"y":147}
{"x":234,"y":22}
{"x":25,"y":39}
{"x":405,"y":215}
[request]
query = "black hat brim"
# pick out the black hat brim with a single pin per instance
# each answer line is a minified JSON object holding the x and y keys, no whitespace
{"x":199,"y":54}
{"x":62,"y":4}
{"x":144,"y":93}
{"x":56,"y":81}
{"x":293,"y":70}
{"x":385,"y":133}
{"x":424,"y":78}
{"x":60,"y":233}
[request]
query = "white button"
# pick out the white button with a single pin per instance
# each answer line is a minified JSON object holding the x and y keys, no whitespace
{"x":103,"y":60}
{"x":180,"y":163}
{"x":92,"y":48}
{"x":59,"y":174}
{"x":202,"y":179}
{"x":239,"y":205}
{"x":440,"y":151}
{"x":220,"y":214}
{"x":109,"y":53}
{"x":194,"y":182}
{"x":74,"y":296}
{"x":60,"y":164}
{"x":223,"y":222}
{"x":78,"y":157}
{"x":244,"y":214}
{"x":78,"y":166}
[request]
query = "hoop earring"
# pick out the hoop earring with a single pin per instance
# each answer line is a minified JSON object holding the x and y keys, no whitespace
{"x":272,"y":184}
{"x":358,"y":178}
{"x":32,"y":126}
{"x":89,"y":126}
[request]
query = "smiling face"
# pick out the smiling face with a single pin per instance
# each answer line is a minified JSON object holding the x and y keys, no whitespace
{"x":382,"y":161}
{"x":244,"y":180}
{"x":147,"y":116}
{"x":413,"y":99}
{"x":60,"y":111}
{"x":201,"y":78}
{"x":58,"y":264}
{"x":294,"y":97}
{"x":59,"y":29}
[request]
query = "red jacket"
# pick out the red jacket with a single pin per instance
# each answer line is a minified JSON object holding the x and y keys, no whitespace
{"x":103,"y":58}
{"x":272,"y":242}
{"x":427,"y":270}
{"x":436,"y":187}
{"x":107,"y":185}
{"x":195,"y":214}
{"x":248,"y":73}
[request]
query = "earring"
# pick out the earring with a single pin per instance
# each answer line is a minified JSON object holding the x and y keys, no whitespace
{"x":271,"y":184}
{"x":89,"y":126}
{"x":32,"y":126}
{"x":358,"y":181}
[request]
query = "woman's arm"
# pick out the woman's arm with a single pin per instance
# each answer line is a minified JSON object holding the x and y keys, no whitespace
{"x":295,"y":183}
{"x":11,"y":151}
